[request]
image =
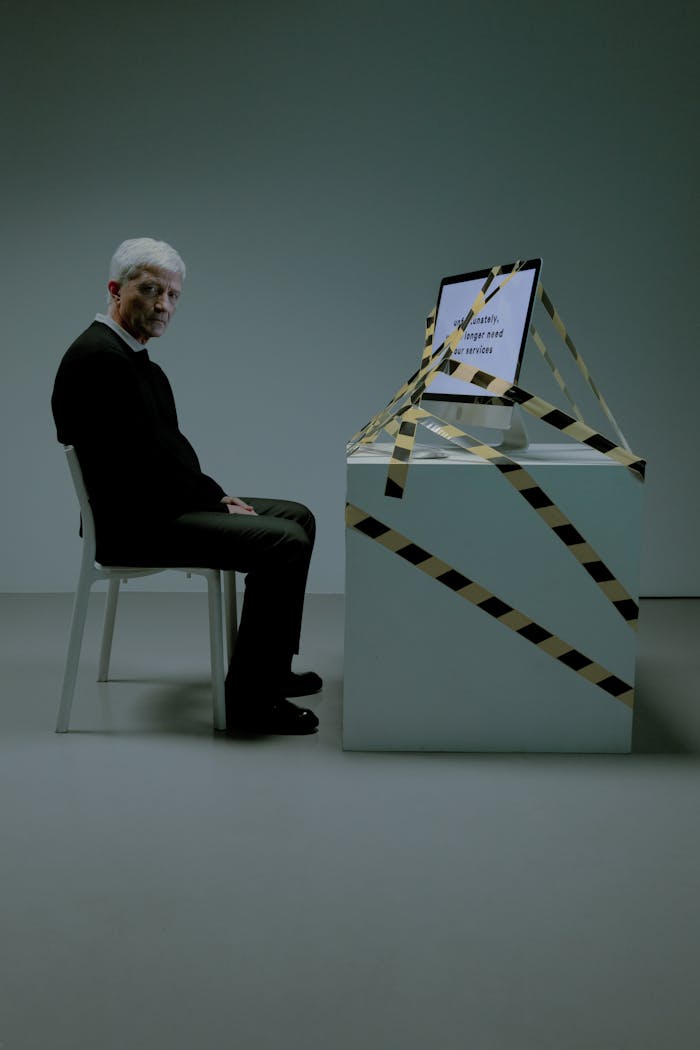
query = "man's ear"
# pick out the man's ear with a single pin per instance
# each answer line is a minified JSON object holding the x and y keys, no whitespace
{"x":113,"y":289}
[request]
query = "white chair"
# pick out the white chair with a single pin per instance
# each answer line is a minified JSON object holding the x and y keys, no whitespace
{"x":91,"y":571}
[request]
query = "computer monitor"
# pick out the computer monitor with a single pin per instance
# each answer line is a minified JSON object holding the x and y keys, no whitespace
{"x":494,"y":341}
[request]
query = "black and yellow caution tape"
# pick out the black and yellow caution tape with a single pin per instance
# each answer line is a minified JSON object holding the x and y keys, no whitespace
{"x":583,"y":368}
{"x":404,"y":437}
{"x":429,"y":335}
{"x":489,"y":603}
{"x":404,"y":440}
{"x":543,"y":505}
{"x":441,"y":360}
{"x":541,"y":409}
{"x":404,"y":394}
{"x":539,"y":343}
{"x":413,"y":388}
{"x":404,"y":414}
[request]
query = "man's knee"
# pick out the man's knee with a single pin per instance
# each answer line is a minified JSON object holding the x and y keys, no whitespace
{"x":289,"y":511}
{"x":306,"y":520}
{"x":283,"y":543}
{"x":297,"y":544}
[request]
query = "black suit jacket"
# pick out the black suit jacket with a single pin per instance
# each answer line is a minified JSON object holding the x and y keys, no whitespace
{"x":116,"y":407}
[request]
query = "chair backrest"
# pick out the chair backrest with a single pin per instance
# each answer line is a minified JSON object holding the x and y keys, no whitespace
{"x":89,"y":541}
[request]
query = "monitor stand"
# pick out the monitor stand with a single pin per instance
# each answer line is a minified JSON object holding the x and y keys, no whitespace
{"x":515,"y":437}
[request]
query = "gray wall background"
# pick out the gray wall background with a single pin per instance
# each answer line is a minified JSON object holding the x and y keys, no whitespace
{"x":320,"y":166}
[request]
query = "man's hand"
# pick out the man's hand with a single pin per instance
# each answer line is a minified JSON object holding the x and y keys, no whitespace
{"x":234,"y":505}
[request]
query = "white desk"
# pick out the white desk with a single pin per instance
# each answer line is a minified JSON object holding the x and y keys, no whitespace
{"x":427,"y":670}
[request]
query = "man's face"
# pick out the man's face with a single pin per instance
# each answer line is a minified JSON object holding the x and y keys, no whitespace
{"x":144,"y":304}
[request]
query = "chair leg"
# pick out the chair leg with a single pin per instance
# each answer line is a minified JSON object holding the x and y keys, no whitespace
{"x":230,"y":611}
{"x":108,"y":629}
{"x":77,"y":628}
{"x":216,"y":644}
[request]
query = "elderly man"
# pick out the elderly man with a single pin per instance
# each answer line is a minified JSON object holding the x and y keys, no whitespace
{"x":154,"y":506}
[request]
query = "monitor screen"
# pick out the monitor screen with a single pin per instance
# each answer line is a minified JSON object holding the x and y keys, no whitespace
{"x":494,"y":340}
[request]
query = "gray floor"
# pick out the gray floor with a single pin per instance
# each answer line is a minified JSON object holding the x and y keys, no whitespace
{"x":165,"y":888}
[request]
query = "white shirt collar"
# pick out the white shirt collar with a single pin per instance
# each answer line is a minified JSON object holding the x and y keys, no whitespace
{"x":128,"y":339}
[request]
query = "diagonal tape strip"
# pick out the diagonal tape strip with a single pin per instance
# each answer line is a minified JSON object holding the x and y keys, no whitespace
{"x":404,"y":428}
{"x":548,"y":413}
{"x":370,"y":430}
{"x":413,"y":388}
{"x":377,"y":423}
{"x":518,"y":622}
{"x":429,"y":334}
{"x":539,"y":343}
{"x":583,"y":368}
{"x":430,"y":363}
{"x":404,"y":440}
{"x":524,"y":483}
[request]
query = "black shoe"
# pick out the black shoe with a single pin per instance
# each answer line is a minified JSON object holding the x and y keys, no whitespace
{"x":305,"y":684}
{"x":281,"y":717}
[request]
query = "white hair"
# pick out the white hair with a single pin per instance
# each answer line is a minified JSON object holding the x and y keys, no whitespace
{"x":142,"y":253}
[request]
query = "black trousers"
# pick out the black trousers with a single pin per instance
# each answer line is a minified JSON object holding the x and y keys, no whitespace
{"x":273,"y":549}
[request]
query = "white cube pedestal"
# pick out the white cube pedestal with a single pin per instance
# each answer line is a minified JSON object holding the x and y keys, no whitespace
{"x":427,"y":670}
